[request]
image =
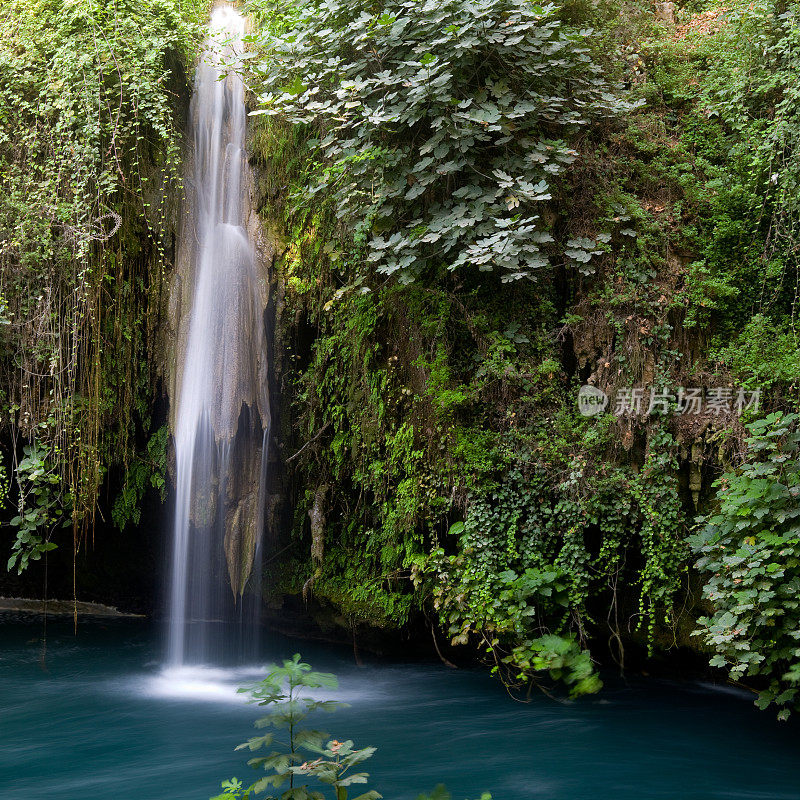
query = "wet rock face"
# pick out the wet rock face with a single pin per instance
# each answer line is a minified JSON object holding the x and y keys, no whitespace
{"x":245,"y":498}
{"x":237,"y":384}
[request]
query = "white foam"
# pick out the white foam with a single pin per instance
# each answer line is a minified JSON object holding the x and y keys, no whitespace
{"x":221,"y":685}
{"x":209,"y":684}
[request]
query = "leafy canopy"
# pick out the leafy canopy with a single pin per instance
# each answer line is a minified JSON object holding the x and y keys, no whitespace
{"x":442,"y":126}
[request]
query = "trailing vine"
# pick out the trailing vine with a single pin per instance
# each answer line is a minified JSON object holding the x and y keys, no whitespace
{"x":528,"y":539}
{"x":89,"y":157}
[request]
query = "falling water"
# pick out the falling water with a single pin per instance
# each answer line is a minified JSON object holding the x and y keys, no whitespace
{"x":221,"y":421}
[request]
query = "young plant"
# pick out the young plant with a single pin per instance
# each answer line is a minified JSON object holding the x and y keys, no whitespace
{"x":285,"y":690}
{"x":39,"y":508}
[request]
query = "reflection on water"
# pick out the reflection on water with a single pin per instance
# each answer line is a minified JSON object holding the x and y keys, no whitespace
{"x":104,"y":720}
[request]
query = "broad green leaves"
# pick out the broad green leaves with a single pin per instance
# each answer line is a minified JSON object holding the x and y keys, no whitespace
{"x":445,"y":124}
{"x":750,"y":553}
{"x":304,"y":754}
{"x":38,"y":507}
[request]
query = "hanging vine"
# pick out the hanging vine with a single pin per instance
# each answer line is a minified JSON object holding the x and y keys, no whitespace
{"x":89,"y":157}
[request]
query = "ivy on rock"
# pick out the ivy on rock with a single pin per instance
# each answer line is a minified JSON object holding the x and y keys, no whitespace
{"x":523,"y":572}
{"x":750,"y":552}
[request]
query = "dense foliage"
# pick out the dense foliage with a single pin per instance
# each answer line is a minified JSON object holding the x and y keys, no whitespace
{"x":736,"y":89}
{"x":89,"y":157}
{"x":523,"y":571}
{"x":751,"y":551}
{"x":441,"y":125}
{"x":435,"y":411}
{"x":434,"y":422}
{"x":418,"y":158}
{"x":744,"y":129}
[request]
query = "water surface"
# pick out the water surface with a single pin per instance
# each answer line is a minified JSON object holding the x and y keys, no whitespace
{"x":99,"y":718}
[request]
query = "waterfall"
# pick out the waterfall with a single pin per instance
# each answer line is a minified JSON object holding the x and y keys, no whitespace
{"x":221,"y":419}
